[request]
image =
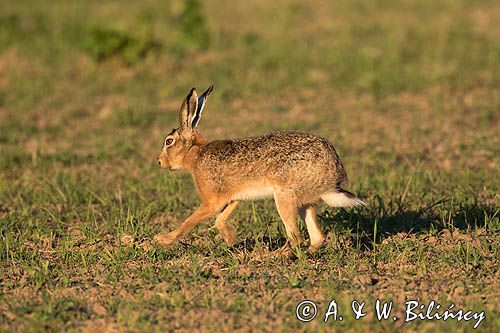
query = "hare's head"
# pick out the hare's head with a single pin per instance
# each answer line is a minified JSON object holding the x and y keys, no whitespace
{"x":178,"y":142}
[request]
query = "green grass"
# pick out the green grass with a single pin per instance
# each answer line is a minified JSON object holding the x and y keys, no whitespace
{"x":408,"y":91}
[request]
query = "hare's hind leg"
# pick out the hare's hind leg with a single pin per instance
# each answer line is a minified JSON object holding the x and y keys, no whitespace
{"x":227,"y":231}
{"x":316,"y":236}
{"x":288,"y":209}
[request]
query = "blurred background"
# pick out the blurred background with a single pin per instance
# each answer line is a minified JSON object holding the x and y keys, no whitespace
{"x":408,"y":91}
{"x":402,"y":80}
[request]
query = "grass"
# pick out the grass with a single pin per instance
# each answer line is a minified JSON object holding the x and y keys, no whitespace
{"x":408,"y":91}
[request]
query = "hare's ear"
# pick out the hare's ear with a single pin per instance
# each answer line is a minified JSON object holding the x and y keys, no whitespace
{"x":201,"y":104}
{"x":188,"y":109}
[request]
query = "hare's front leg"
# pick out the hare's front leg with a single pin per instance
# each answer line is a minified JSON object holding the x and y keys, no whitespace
{"x":201,"y":213}
{"x":227,"y":231}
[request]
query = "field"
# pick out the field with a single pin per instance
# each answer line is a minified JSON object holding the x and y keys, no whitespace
{"x":408,"y":91}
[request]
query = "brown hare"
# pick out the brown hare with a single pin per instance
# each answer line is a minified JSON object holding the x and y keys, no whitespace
{"x":297,"y":169}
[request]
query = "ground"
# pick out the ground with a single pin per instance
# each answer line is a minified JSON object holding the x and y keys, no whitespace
{"x":407,"y":91}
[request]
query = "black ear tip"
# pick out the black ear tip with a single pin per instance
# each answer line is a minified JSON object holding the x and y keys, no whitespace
{"x":191,"y":93}
{"x":209,"y":90}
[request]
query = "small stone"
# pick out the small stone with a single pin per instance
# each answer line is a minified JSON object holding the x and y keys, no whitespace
{"x":99,"y":310}
{"x":445,"y":233}
{"x":127,"y":240}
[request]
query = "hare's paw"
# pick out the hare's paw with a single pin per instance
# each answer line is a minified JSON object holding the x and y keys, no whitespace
{"x":230,"y":237}
{"x":228,"y":233}
{"x":312,"y":250}
{"x":165,"y":239}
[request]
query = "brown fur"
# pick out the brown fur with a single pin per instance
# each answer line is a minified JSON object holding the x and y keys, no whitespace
{"x":296,"y":168}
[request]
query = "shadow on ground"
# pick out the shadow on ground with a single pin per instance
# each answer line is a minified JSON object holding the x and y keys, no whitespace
{"x":385,"y":222}
{"x":272,"y":243}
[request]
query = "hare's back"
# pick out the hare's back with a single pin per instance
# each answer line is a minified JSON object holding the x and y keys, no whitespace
{"x":300,"y":155}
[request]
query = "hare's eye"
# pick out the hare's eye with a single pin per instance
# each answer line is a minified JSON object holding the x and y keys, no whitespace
{"x":169,"y":142}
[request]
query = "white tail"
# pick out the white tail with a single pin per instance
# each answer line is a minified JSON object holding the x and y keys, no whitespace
{"x":342,"y":198}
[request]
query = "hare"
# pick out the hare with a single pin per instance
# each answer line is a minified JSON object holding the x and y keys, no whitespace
{"x":297,"y":169}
